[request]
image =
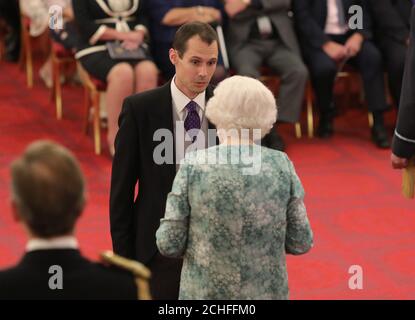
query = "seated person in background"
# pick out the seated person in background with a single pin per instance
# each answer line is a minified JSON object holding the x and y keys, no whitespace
{"x":48,"y":196}
{"x":327,"y":41}
{"x":260,"y":32}
{"x":167,"y":16}
{"x":124,"y":21}
{"x":68,"y":35}
{"x":9,"y":11}
{"x":236,"y":210}
{"x":392,"y":24}
{"x":38,"y":12}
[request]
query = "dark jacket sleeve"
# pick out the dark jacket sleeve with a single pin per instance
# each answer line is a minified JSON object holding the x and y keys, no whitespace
{"x":84,"y":19}
{"x":125,"y":175}
{"x":404,"y":138}
{"x":307,"y":27}
{"x":366,"y":32}
{"x":141,"y":15}
{"x":388,"y":21}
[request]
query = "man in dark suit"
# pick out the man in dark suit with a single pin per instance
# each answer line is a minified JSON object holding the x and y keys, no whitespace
{"x":48,"y":195}
{"x":172,"y":114}
{"x":328,"y":40}
{"x":403,"y":147}
{"x":391,"y":25}
{"x":261,"y":32}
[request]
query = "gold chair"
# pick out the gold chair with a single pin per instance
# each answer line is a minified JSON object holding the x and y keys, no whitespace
{"x":26,"y":59}
{"x":92,"y":92}
{"x":349,"y":74}
{"x":60,"y":57}
{"x":267,"y":77}
{"x":3,"y":34}
{"x":141,"y":272}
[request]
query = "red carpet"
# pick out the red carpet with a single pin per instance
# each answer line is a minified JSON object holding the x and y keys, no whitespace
{"x":353,"y":197}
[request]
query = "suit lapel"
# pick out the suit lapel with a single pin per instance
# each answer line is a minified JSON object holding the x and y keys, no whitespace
{"x":162,"y":118}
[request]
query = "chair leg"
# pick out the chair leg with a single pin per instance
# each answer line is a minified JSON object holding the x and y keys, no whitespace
{"x":370,"y":118}
{"x":57,"y":87}
{"x":310,"y":118}
{"x":28,"y":60}
{"x":97,"y":125}
{"x":298,"y":133}
{"x":87,"y":107}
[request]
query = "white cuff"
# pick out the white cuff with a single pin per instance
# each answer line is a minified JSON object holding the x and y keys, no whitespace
{"x":95,"y":37}
{"x":141,"y":27}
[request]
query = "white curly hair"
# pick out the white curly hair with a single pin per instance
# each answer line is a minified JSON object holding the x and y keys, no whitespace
{"x":242,"y":103}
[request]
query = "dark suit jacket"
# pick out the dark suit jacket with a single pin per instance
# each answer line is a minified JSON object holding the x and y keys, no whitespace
{"x":82,"y":279}
{"x":239,"y":27}
{"x":391,"y":19}
{"x":310,"y":18}
{"x":404,"y":139}
{"x":134,"y":221}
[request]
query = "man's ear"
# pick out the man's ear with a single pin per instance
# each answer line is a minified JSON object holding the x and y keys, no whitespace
{"x":173,"y":56}
{"x":15,"y":211}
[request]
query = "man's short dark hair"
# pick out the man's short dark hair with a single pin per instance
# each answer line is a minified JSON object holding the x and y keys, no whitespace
{"x":48,"y":189}
{"x":206,"y":33}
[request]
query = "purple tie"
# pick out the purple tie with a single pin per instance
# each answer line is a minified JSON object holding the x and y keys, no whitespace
{"x":192,"y":120}
{"x":413,"y":2}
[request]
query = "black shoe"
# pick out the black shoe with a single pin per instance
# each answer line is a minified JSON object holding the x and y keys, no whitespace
{"x":325,"y":128}
{"x":380,"y":137}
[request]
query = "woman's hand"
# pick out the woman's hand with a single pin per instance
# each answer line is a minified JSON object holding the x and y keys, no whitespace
{"x":132,"y":40}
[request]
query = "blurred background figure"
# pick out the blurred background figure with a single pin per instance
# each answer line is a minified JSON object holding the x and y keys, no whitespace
{"x":327,"y":43}
{"x":48,"y":197}
{"x":233,"y":227}
{"x":261,"y":33}
{"x":101,"y":22}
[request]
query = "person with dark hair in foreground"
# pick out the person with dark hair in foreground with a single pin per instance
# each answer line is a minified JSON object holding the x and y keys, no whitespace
{"x":48,"y":196}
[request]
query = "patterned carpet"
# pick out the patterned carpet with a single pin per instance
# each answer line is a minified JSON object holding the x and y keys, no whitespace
{"x":353,"y":197}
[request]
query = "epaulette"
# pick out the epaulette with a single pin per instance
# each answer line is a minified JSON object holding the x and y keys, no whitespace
{"x":141,"y":272}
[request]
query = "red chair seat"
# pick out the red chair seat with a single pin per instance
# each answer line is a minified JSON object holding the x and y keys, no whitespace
{"x":60,"y":51}
{"x":101,"y":86}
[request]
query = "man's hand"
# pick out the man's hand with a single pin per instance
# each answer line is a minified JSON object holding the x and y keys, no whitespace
{"x":399,"y":163}
{"x":335,"y":50}
{"x":233,"y":7}
{"x":354,"y":44}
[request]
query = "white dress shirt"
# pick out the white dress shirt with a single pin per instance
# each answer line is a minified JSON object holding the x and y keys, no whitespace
{"x":332,"y":21}
{"x":65,"y":242}
{"x":179,"y":101}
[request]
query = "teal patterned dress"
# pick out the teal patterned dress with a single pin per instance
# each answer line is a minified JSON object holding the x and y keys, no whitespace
{"x":233,"y":226}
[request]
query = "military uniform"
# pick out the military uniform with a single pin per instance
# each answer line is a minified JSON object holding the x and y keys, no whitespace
{"x":37,"y":277}
{"x":404,"y":138}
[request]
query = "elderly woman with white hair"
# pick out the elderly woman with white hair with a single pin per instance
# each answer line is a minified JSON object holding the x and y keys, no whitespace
{"x":232,"y":226}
